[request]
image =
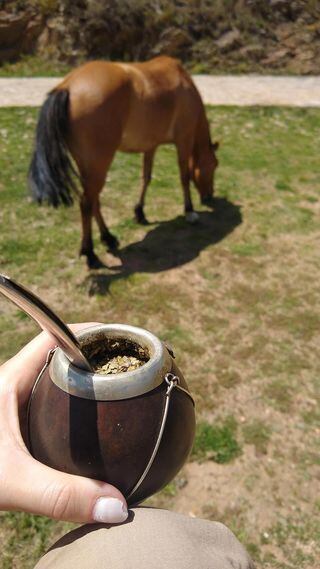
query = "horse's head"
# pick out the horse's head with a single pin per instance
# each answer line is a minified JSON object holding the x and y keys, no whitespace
{"x":202,"y":171}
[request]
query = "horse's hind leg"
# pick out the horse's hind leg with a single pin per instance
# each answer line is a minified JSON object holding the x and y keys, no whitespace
{"x":86,"y":208}
{"x":106,"y":237}
{"x":146,"y":179}
{"x":89,"y":206}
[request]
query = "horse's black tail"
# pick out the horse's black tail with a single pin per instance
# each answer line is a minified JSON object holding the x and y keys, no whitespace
{"x":51,"y":173}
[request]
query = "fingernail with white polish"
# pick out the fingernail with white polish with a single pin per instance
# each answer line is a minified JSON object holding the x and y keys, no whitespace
{"x":109,"y":511}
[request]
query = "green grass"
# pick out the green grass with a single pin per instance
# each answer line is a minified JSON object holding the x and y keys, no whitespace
{"x":27,"y":536}
{"x":237,"y":297}
{"x":216,"y":442}
{"x":35,"y":66}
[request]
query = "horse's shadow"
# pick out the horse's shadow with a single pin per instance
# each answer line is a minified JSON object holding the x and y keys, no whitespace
{"x":170,"y":244}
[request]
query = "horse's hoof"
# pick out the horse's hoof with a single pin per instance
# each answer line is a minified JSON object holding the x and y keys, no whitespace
{"x":113,"y":244}
{"x":139,"y":215}
{"x":208,"y":201}
{"x":192,"y":217}
{"x":94,"y":262}
{"x":110,"y":241}
{"x":142,"y":221}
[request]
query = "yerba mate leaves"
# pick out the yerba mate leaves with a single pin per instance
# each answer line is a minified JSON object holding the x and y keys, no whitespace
{"x":119,"y":364}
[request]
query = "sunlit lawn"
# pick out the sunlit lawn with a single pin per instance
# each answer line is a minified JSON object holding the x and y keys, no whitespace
{"x":237,"y":296}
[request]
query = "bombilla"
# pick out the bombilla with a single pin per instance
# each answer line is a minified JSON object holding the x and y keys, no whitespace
{"x":46,"y":318}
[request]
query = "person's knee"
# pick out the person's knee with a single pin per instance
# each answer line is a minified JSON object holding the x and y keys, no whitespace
{"x":152,"y":539}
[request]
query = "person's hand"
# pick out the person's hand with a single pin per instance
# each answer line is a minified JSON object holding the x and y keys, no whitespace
{"x":28,"y":485}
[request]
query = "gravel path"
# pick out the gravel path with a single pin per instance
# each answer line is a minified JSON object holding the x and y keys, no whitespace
{"x":242,"y":90}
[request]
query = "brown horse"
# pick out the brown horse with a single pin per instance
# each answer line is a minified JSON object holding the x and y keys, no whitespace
{"x":103,"y":107}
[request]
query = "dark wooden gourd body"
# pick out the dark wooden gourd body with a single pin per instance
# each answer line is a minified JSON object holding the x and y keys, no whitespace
{"x":112,"y":440}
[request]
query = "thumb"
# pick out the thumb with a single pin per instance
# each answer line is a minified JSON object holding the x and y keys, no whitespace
{"x":45,"y":491}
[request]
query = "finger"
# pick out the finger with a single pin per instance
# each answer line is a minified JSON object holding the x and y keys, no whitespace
{"x":45,"y":491}
{"x":24,"y":367}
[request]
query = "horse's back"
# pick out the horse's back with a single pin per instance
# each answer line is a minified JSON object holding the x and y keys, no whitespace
{"x":163,"y":97}
{"x":162,"y":73}
{"x":139,"y":105}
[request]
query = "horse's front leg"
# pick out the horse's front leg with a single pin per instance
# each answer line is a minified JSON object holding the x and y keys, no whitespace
{"x":146,"y":179}
{"x":183,"y":159}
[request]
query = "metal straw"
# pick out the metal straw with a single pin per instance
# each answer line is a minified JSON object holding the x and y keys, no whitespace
{"x":46,"y":318}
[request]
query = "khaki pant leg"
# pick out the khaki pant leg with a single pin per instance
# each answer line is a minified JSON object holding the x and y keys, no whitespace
{"x":150,"y":539}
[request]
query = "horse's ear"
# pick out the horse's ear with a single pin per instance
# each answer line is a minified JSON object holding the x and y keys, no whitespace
{"x":215,"y":146}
